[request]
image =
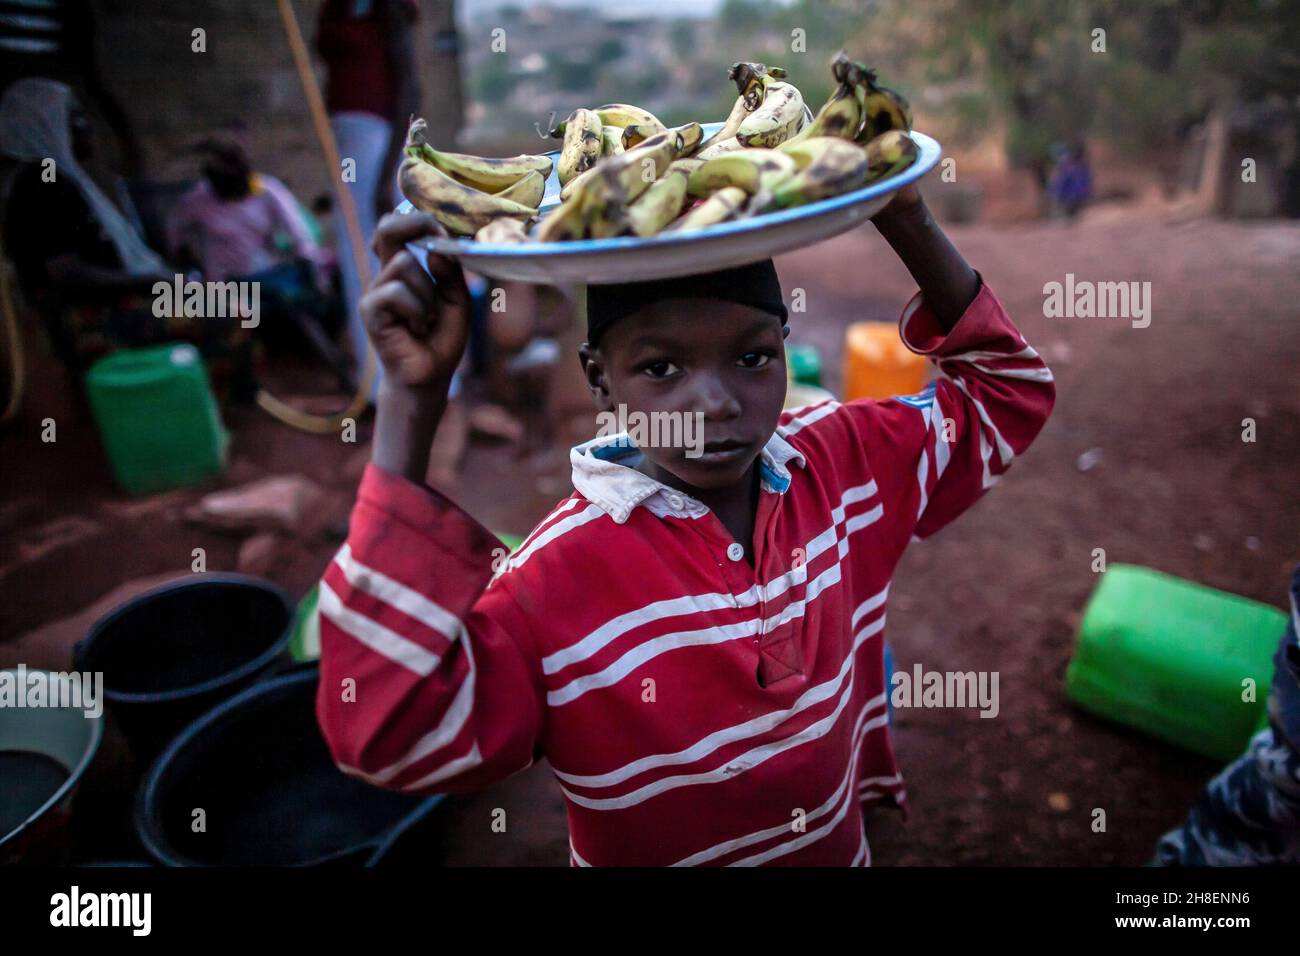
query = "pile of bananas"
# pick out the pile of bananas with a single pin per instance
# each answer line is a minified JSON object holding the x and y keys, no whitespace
{"x":623,"y":172}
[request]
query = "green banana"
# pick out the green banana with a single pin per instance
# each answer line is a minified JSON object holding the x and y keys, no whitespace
{"x":883,"y":110}
{"x":490,"y":174}
{"x":463,"y":209}
{"x":723,"y":205}
{"x":890,"y":153}
{"x":841,"y":116}
{"x":660,"y":204}
{"x":751,"y":80}
{"x":527,"y":191}
{"x":828,"y":166}
{"x":780,"y":116}
{"x":582,"y":144}
{"x":565,"y":222}
{"x":749,"y":169}
{"x":621,"y":179}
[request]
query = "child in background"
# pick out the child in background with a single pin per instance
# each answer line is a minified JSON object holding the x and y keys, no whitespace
{"x":694,"y":637}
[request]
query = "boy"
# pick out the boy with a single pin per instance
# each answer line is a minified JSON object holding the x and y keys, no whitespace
{"x":694,"y":638}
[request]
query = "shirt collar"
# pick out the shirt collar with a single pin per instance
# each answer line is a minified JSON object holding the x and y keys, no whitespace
{"x":604,"y":476}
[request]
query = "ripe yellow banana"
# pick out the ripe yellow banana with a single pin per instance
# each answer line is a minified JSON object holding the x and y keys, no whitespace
{"x":527,"y":191}
{"x":575,"y":184}
{"x":660,"y":204}
{"x":611,"y":140}
{"x":463,"y":209}
{"x":748,"y":169}
{"x":485,"y":172}
{"x":625,"y":115}
{"x":780,"y":116}
{"x":503,"y":231}
{"x":582,"y":144}
{"x":732,"y":123}
{"x":636,"y":134}
{"x":723,"y":205}
{"x":720,"y":148}
{"x":828,"y":166}
{"x":564,"y":223}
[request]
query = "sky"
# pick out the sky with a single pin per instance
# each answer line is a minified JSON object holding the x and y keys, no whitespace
{"x":667,"y":8}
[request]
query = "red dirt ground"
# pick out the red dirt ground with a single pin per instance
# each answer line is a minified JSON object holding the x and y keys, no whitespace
{"x":1175,"y":488}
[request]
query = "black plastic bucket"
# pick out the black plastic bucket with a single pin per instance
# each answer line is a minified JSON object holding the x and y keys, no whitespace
{"x":170,"y":654}
{"x":414,"y":841}
{"x":258,"y":768}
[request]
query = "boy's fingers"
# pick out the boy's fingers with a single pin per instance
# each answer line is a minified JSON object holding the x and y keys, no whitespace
{"x":397,"y":229}
{"x":395,"y":303}
{"x":404,"y":268}
{"x":450,"y":278}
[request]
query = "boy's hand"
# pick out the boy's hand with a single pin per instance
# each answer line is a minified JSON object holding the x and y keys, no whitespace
{"x":419,"y":327}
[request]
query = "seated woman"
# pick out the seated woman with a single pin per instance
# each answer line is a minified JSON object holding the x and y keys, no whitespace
{"x":238,"y":224}
{"x":79,"y":262}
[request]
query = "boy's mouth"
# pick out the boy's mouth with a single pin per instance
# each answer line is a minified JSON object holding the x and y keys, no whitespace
{"x":722,"y":451}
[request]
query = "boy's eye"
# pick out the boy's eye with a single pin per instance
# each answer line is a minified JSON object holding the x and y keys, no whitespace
{"x":660,"y":369}
{"x":754,"y":359}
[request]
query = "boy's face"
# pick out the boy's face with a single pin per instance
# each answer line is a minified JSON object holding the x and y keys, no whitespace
{"x":719,"y":359}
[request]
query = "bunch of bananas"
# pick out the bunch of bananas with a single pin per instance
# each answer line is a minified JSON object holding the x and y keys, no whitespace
{"x":623,"y":172}
{"x":467,"y":193}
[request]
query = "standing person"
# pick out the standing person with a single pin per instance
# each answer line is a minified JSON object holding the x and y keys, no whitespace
{"x":371,"y":91}
{"x":694,"y":637}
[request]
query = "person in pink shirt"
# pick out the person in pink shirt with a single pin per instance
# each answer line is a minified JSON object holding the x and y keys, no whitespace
{"x":235,"y":222}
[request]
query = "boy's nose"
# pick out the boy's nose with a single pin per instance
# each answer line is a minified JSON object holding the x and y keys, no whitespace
{"x":714,"y":399}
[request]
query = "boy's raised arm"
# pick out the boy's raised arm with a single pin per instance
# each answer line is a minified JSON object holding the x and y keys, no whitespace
{"x":946,"y":280}
{"x":429,"y":680}
{"x":933,"y":455}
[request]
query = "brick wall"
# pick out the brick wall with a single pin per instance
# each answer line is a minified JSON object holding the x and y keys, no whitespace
{"x":174,"y":96}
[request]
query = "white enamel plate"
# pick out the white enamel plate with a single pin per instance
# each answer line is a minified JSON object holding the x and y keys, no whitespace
{"x":629,"y":258}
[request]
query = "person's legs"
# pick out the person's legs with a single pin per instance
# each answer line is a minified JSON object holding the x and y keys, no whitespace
{"x":1249,"y":814}
{"x":363,"y":139}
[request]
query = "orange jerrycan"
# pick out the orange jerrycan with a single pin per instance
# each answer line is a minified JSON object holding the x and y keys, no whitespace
{"x":877,"y":364}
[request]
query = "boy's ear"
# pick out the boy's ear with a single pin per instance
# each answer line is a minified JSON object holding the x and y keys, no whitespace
{"x":590,"y":359}
{"x":785,"y":331}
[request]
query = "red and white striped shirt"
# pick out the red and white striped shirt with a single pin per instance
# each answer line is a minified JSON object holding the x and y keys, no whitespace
{"x":695,"y":710}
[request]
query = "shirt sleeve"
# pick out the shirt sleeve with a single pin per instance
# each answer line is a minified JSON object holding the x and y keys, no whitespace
{"x":949,"y":444}
{"x":429,"y":680}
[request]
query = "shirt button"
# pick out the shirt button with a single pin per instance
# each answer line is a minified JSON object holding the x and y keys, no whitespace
{"x":735,"y":551}
{"x":675,"y":501}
